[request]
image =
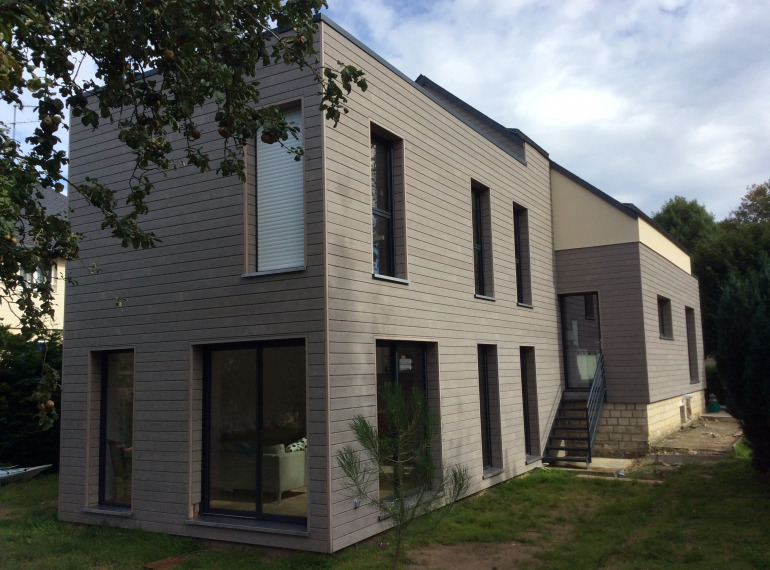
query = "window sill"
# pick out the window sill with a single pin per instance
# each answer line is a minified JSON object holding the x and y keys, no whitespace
{"x":532,"y":459}
{"x":666,"y":337}
{"x":274,"y":271}
{"x":525,"y":305}
{"x":389,"y":278}
{"x":484,"y":297}
{"x":213,"y":521}
{"x":492,"y":472}
{"x":111,"y":511}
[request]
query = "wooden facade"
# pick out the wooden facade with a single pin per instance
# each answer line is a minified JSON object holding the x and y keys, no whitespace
{"x":199,"y":289}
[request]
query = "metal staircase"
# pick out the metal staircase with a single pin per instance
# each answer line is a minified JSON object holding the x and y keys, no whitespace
{"x":574,"y":429}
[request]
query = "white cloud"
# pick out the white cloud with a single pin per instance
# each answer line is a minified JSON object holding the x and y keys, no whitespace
{"x":643,"y":99}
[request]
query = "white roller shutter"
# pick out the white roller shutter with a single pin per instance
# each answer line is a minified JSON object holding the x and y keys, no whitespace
{"x":280,"y":204}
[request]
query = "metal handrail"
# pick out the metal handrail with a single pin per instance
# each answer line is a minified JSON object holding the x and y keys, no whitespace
{"x":595,"y":403}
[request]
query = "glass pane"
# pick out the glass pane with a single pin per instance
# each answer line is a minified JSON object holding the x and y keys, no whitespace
{"x":382,"y":245}
{"x":233,"y":436}
{"x":484,"y":408}
{"x":409,"y":374}
{"x":118,"y":426}
{"x":283,"y":433}
{"x":582,"y":340}
{"x":381,"y":174}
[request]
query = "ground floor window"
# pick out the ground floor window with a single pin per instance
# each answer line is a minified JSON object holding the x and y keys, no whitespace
{"x":403,"y":364}
{"x":255,"y":431}
{"x":116,"y":427}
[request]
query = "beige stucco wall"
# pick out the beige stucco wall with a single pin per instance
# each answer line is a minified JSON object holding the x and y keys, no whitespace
{"x":9,"y":312}
{"x":659,"y":243}
{"x":576,"y":215}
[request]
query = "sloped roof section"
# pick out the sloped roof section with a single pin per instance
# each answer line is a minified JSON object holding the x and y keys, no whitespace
{"x":500,"y":135}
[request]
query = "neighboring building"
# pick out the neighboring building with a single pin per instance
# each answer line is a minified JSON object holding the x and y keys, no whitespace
{"x":55,"y":203}
{"x":418,"y":242}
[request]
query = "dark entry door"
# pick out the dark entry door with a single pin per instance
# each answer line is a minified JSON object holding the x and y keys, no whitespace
{"x":581,"y":338}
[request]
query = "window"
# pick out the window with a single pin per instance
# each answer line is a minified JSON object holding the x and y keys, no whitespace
{"x":388,"y":236}
{"x":664,"y":318}
{"x":521,"y":252}
{"x":529,"y":401}
{"x":44,"y":273}
{"x":482,"y":241}
{"x":692,"y":345}
{"x":405,"y":364}
{"x":255,"y":431}
{"x":489,"y":408}
{"x":116,"y":427}
{"x":383,"y":241}
{"x":280,"y":204}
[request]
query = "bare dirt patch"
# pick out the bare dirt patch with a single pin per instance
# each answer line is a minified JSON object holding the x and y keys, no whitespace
{"x":479,"y":556}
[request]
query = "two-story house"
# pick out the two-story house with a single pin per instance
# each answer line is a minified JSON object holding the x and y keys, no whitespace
{"x":418,"y":242}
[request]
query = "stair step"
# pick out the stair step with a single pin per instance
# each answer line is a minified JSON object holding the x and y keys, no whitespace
{"x":584,"y":428}
{"x":568,"y":458}
{"x":570,"y":437}
{"x":566,"y":448}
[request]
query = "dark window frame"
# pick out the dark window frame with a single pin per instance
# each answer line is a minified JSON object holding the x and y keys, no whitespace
{"x":692,"y":347}
{"x":205,"y":504}
{"x":477,"y":213}
{"x":387,"y":215}
{"x":103,"y":440}
{"x":522,"y":255}
{"x":485,"y":410}
{"x":665,"y":325}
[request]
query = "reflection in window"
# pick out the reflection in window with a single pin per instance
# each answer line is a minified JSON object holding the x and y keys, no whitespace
{"x":403,"y":364}
{"x":255,"y":452}
{"x":383,"y":242}
{"x":116,"y":429}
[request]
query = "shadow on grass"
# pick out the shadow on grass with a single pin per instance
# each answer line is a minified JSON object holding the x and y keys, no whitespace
{"x":701,"y":516}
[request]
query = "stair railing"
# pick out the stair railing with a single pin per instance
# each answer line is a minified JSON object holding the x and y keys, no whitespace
{"x":595,"y":403}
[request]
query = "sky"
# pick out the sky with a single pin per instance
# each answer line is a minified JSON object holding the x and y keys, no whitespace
{"x":644,"y":99}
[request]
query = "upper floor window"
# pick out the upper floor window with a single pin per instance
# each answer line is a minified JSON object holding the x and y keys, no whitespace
{"x":280,"y":204}
{"x":664,"y":318}
{"x":388,"y":235}
{"x":521,"y":251}
{"x":482,"y":241}
{"x":383,"y":239}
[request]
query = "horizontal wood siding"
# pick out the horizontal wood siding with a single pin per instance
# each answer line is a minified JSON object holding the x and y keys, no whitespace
{"x":442,"y":155}
{"x":186,"y":293}
{"x":667,"y":359}
{"x":613,"y":271}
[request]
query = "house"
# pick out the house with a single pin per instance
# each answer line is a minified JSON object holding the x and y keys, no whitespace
{"x":55,"y":204}
{"x":419,"y":242}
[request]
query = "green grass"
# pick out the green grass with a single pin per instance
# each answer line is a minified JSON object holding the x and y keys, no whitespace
{"x":700,"y":516}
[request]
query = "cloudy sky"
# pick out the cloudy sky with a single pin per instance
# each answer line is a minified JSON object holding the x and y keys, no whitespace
{"x":645,"y":99}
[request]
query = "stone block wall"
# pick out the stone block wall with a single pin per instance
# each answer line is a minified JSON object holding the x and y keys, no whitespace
{"x":627,"y":430}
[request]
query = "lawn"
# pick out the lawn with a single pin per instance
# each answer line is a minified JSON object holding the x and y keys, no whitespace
{"x":704,"y":516}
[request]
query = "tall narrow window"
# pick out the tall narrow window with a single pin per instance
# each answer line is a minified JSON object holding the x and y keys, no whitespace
{"x":664,"y":318}
{"x":383,"y":230}
{"x":482,"y":241}
{"x":403,"y":364}
{"x":116,"y":429}
{"x":529,"y":401}
{"x":280,"y":204}
{"x":692,"y":345}
{"x":521,"y":252}
{"x":489,"y":408}
{"x":255,"y":431}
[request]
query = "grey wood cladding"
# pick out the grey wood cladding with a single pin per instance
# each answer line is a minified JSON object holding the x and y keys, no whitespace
{"x":195,"y":290}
